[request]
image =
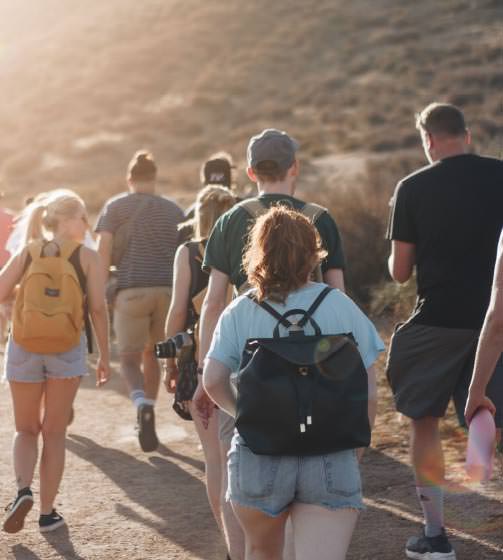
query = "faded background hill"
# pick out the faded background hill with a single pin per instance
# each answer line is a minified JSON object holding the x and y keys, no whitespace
{"x":85,"y":84}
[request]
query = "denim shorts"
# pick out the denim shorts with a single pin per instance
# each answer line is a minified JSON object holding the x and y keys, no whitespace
{"x":29,"y":367}
{"x":273,"y":483}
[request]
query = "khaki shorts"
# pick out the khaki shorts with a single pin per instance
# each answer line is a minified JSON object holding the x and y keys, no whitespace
{"x":140,"y":316}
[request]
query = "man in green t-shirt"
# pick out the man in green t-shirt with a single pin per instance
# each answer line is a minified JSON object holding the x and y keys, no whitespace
{"x":273,"y":166}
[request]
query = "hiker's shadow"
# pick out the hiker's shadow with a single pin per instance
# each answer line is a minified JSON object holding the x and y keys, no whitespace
{"x":62,"y":544}
{"x":21,"y":552}
{"x":393,"y":514}
{"x":161,"y":487}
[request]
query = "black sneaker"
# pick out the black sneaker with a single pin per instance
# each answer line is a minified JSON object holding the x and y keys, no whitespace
{"x":430,"y":548}
{"x":146,"y":428}
{"x":50,"y":522}
{"x":17,"y":511}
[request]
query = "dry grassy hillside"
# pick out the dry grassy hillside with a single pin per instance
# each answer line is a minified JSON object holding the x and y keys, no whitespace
{"x":84,"y":84}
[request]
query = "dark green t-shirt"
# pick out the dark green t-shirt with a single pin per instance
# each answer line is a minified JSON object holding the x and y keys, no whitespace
{"x":224,"y":250}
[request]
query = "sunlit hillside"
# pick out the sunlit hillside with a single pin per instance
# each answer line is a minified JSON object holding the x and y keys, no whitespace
{"x":84,"y":84}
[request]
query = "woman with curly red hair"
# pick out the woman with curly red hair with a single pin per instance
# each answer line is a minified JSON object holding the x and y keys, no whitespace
{"x":321,"y":493}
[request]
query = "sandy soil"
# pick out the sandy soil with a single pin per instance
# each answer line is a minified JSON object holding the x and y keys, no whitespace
{"x":123,"y":504}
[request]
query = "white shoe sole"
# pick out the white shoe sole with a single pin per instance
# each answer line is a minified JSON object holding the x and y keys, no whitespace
{"x":53,"y":526}
{"x":431,"y":555}
{"x":15,"y":518}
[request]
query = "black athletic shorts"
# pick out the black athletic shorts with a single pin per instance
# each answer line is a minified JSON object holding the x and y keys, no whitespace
{"x":427,"y":366}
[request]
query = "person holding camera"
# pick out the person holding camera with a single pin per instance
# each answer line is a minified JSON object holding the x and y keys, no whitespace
{"x":180,"y":350}
{"x":321,"y":492}
{"x":143,"y":225}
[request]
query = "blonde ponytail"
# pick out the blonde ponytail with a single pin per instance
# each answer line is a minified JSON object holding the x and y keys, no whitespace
{"x":34,"y":226}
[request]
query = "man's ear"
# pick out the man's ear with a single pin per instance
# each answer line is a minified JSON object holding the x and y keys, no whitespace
{"x":294,"y":169}
{"x":429,"y":140}
{"x":251,"y":174}
{"x":468,"y":137}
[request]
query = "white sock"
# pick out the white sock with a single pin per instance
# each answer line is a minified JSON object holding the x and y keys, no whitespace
{"x":151,"y":402}
{"x":138,"y":397}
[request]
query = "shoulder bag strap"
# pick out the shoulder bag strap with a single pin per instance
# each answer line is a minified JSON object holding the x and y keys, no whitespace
{"x":254,"y":207}
{"x":74,"y":260}
{"x":264,"y":305}
{"x":312,"y":211}
{"x":314,"y":306}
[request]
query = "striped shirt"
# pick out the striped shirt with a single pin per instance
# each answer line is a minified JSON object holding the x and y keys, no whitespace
{"x":148,"y":260}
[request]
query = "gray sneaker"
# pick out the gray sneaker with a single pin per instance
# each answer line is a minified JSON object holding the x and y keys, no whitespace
{"x":430,"y":548}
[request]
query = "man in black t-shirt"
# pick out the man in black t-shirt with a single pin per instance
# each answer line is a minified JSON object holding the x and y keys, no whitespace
{"x":445,"y":220}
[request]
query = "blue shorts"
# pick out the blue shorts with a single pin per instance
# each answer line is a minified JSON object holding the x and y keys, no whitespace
{"x":28,"y":367}
{"x":273,"y":483}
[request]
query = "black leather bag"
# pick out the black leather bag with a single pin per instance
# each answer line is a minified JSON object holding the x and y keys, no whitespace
{"x":299,"y":394}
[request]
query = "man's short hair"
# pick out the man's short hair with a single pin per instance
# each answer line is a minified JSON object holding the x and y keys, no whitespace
{"x":441,"y":119}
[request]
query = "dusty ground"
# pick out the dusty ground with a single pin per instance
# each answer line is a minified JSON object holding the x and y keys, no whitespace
{"x":123,"y":504}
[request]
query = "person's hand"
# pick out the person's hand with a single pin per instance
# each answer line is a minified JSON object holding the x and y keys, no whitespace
{"x":170,"y":377}
{"x":476,"y":401}
{"x":204,"y":405}
{"x":103,"y":371}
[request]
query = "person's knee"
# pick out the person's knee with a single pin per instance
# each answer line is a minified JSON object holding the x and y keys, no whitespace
{"x":130,"y":359}
{"x":29,"y":430}
{"x":426,"y":425}
{"x":53,"y":431}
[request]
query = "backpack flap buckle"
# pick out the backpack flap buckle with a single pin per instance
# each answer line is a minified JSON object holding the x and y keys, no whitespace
{"x":295,"y":330}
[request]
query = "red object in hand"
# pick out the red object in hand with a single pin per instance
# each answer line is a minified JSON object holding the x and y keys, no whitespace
{"x":480,"y":449}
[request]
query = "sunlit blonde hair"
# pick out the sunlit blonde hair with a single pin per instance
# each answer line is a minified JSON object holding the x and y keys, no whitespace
{"x":212,"y":201}
{"x":47,"y":210}
{"x":283,"y":249}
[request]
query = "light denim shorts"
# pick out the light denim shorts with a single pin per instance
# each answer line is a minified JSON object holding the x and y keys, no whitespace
{"x":273,"y":483}
{"x":21,"y":365}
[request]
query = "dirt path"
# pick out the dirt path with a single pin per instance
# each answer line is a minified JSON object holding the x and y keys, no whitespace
{"x":122,"y":504}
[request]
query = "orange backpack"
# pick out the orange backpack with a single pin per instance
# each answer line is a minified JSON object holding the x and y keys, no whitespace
{"x":49,"y":309}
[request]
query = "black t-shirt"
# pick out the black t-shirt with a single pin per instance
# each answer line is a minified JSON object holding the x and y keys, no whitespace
{"x":452,"y":211}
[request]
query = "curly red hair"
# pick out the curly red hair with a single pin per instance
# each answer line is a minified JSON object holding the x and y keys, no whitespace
{"x":283,"y":249}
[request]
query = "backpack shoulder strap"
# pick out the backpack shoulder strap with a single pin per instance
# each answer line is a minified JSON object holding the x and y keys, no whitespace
{"x":253,"y":206}
{"x":312,"y":211}
{"x":74,"y":260}
{"x":314,"y":306}
{"x":270,"y":309}
{"x":67,"y":250}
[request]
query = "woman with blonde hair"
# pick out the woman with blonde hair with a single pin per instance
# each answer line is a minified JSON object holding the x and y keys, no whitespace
{"x":189,"y":287}
{"x":320,"y":493}
{"x":46,"y":353}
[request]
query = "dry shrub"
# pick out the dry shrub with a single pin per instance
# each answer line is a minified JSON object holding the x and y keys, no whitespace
{"x":361,"y":212}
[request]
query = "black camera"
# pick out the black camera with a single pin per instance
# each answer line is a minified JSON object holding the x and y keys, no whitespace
{"x":180,"y":346}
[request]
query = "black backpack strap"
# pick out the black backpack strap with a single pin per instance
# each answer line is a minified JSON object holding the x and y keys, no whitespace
{"x":264,"y":305}
{"x":74,"y":260}
{"x":314,"y":306}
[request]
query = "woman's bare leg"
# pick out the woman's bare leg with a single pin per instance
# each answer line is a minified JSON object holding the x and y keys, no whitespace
{"x":263,"y":534}
{"x":59,"y":397}
{"x":211,"y":449}
{"x":26,"y":399}
{"x":322,"y":533}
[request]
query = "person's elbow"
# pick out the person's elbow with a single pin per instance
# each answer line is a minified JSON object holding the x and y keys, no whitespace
{"x":213,"y":304}
{"x":400,"y":272}
{"x":495,"y":328}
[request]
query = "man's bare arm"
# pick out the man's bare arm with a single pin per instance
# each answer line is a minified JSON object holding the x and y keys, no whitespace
{"x":402,"y":260}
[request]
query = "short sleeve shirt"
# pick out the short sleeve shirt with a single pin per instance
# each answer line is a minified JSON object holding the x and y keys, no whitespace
{"x":226,"y":244}
{"x":148,"y":260}
{"x":452,"y":211}
{"x":337,"y":314}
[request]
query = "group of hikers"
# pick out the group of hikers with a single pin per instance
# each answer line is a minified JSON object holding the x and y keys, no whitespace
{"x":242,"y":303}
